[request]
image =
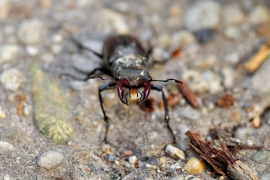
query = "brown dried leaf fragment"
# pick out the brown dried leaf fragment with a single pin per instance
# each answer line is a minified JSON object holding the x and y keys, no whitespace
{"x":188,"y":94}
{"x":226,"y":101}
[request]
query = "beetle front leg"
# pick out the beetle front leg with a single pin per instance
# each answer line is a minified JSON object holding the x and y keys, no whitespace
{"x":166,"y":109}
{"x":106,"y":119}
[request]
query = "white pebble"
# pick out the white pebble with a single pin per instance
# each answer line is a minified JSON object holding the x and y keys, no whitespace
{"x":260,"y":14}
{"x":238,"y":15}
{"x":57,"y":38}
{"x":2,"y":114}
{"x":8,"y":52}
{"x":132,"y":160}
{"x":31,"y":50}
{"x":232,"y":32}
{"x":182,"y":39}
{"x":31,"y":32}
{"x":50,"y":159}
{"x":203,"y":14}
{"x":11,"y":79}
{"x":175,"y":152}
{"x":6,"y":147}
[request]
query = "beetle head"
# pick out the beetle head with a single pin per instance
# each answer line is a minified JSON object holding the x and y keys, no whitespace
{"x":133,"y":79}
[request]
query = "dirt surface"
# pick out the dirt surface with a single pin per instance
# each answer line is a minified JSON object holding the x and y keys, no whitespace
{"x":209,"y":68}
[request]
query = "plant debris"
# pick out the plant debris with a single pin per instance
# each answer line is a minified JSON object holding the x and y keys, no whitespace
{"x":188,"y":94}
{"x":222,"y":161}
{"x":256,"y":61}
{"x":52,"y":112}
{"x":226,"y":101}
{"x":21,"y":99}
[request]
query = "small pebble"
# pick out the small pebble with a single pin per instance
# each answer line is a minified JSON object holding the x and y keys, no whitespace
{"x":238,"y":15}
{"x":162,"y":160}
{"x":260,"y":14}
{"x":213,"y":81}
{"x":7,"y":177}
{"x":261,"y":156}
{"x":182,"y":39}
{"x":256,"y":121}
{"x":229,"y":77}
{"x":195,"y":81}
{"x":109,"y":158}
{"x":179,"y":177}
{"x":14,"y":133}
{"x":190,"y":113}
{"x":27,"y":110}
{"x":50,"y":160}
{"x":175,"y":166}
{"x":175,"y":152}
{"x":244,"y":132}
{"x":56,"y":48}
{"x":265,"y":176}
{"x":32,"y":50}
{"x":4,"y":9}
{"x":6,"y":147}
{"x":232,"y":58}
{"x":153,"y":161}
{"x":232,"y":32}
{"x":8,"y":52}
{"x":2,"y":114}
{"x":203,"y":14}
{"x":205,"y":35}
{"x":106,"y":148}
{"x":11,"y":79}
{"x":31,"y":32}
{"x":195,"y":166}
{"x":132,"y":160}
{"x":57,"y":38}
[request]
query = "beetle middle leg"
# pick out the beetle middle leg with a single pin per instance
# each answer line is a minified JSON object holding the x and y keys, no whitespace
{"x":106,"y":119}
{"x":166,"y":109}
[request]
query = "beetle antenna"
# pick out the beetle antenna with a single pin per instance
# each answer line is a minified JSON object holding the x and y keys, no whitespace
{"x":102,"y":78}
{"x":170,"y":79}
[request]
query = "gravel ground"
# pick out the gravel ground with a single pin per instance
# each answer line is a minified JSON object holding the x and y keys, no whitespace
{"x":205,"y":41}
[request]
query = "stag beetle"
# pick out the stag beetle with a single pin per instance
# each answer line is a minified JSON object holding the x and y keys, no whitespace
{"x":126,"y":62}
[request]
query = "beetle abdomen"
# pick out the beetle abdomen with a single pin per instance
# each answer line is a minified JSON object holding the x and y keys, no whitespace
{"x":117,"y":46}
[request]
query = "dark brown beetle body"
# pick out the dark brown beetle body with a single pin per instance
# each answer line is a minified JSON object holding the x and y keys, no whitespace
{"x":126,"y":61}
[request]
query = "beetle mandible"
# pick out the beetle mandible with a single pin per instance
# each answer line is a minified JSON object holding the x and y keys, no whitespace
{"x":126,"y":62}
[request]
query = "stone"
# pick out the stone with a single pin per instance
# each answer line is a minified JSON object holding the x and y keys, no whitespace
{"x":8,"y":52}
{"x":232,"y":32}
{"x":260,"y":14}
{"x":182,"y":39}
{"x":6,"y":147}
{"x":261,"y":156}
{"x":237,"y":18}
{"x":195,"y":166}
{"x":132,"y":160}
{"x":202,"y":15}
{"x":11,"y":79}
{"x":31,"y":32}
{"x":175,"y":152}
{"x":50,"y":160}
{"x":259,"y":82}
